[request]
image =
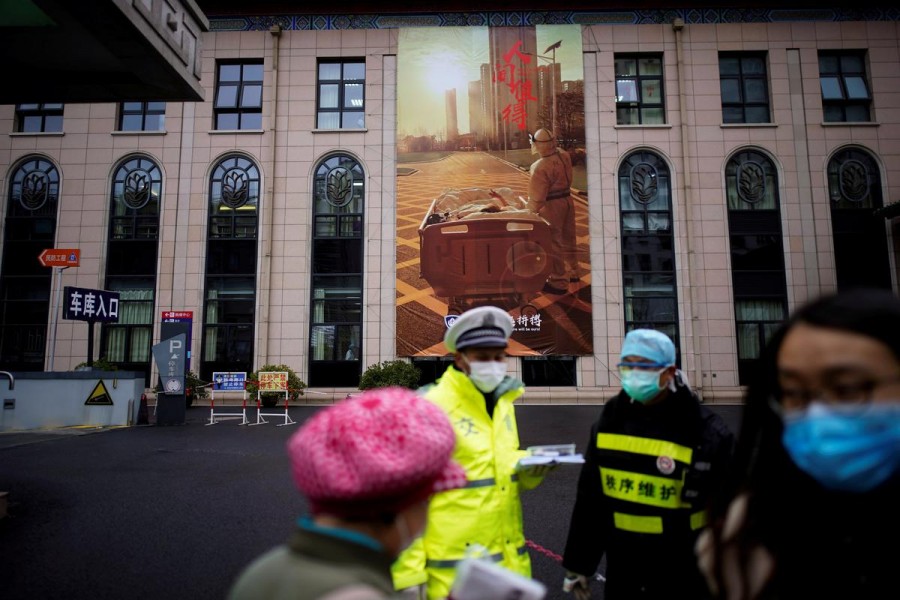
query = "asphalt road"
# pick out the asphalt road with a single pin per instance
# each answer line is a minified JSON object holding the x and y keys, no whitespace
{"x":171,"y":512}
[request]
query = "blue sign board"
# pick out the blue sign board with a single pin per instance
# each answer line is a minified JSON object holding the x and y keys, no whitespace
{"x":225,"y":381}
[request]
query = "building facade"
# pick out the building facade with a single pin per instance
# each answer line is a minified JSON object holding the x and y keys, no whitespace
{"x":736,"y":164}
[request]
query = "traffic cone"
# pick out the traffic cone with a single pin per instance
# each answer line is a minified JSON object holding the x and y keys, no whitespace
{"x":143,"y":415}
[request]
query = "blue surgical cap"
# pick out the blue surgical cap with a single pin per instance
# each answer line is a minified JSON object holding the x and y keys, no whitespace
{"x":650,"y":344}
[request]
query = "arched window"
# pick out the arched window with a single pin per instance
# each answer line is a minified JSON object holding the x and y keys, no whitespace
{"x":131,"y":262}
{"x":230,"y":297}
{"x":860,"y":238}
{"x":648,"y":252}
{"x":757,"y":254}
{"x":30,"y":228}
{"x":337,"y":272}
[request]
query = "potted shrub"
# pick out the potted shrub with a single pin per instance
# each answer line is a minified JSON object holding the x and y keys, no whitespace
{"x":390,"y":373}
{"x":272,"y":399}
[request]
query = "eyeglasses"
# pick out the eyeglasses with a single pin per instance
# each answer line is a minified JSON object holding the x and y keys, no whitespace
{"x":640,"y":365}
{"x":856,"y":392}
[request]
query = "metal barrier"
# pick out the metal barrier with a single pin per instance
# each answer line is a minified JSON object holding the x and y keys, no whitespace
{"x":215,"y":417}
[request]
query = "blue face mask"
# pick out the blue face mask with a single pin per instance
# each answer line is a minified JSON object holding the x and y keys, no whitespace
{"x":641,"y":385}
{"x":846,"y":447}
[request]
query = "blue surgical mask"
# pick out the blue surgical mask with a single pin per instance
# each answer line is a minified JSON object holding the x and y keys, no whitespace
{"x":641,"y":385}
{"x":846,"y":447}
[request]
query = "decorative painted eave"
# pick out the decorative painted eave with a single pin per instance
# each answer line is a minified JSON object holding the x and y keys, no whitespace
{"x":528,"y":18}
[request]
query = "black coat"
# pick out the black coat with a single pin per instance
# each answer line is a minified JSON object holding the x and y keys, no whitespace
{"x":642,"y":488}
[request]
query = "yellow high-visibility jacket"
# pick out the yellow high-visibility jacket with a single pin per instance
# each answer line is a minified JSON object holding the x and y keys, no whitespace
{"x":487,"y":512}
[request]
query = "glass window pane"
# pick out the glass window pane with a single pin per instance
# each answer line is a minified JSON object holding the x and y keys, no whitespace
{"x":755,"y":90}
{"x":658,"y":222}
{"x":53,"y":123}
{"x":251,"y":96}
{"x":326,"y":226}
{"x":53,"y":106}
{"x":626,"y":66}
{"x":731,"y":91}
{"x":156,"y":106}
{"x":251,"y":121}
{"x":329,"y":71}
{"x":226,"y":96}
{"x":632,"y":222}
{"x":828,"y":64}
{"x":851,"y":63}
{"x":253,"y":72}
{"x":649,"y":284}
{"x":753,"y":65}
{"x":831,"y":88}
{"x":28,"y":106}
{"x":651,"y":91}
{"x":132,"y":106}
{"x":757,"y":114}
{"x":229,"y":72}
{"x":351,"y":226}
{"x":732,"y":114}
{"x":353,"y":95}
{"x":329,"y":120}
{"x":652,"y":116}
{"x":748,"y":340}
{"x":729,"y":65}
{"x":155,"y":122}
{"x":856,"y":88}
{"x":227,"y":121}
{"x":626,"y":90}
{"x":650,"y":66}
{"x":132,"y":122}
{"x":31,"y":124}
{"x":354,"y":71}
{"x":328,"y":95}
{"x":627,"y":116}
{"x":833,"y":114}
{"x":353,"y":120}
{"x":854,"y":112}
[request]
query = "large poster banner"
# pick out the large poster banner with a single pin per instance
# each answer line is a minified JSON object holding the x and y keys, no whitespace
{"x":492,"y":185}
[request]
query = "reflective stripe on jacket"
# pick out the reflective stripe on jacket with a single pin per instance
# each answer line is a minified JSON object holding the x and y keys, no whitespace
{"x":486,"y":513}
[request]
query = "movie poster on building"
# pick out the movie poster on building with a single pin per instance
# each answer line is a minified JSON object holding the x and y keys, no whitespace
{"x":485,"y":216}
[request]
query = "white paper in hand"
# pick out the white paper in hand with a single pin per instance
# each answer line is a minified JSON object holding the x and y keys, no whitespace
{"x":479,"y":579}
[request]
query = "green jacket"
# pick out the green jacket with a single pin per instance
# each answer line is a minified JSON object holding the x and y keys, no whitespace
{"x":487,"y":512}
{"x":318,"y":563}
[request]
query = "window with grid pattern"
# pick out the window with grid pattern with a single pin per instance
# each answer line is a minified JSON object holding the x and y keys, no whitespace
{"x":845,"y":90}
{"x":39,"y":118}
{"x":239,"y":89}
{"x":744,"y":86}
{"x":639,"y":89}
{"x":142,"y":116}
{"x":341,"y":99}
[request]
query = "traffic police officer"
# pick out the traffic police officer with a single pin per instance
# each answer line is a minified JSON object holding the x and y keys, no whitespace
{"x":654,"y":459}
{"x":485,"y":517}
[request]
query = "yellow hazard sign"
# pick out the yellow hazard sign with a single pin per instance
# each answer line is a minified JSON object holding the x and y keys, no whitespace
{"x":99,"y":397}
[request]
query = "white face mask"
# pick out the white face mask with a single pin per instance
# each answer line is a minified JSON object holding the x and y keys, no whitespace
{"x":486,"y":375}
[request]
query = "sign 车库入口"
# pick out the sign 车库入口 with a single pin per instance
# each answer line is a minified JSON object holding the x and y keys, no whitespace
{"x":84,"y":304}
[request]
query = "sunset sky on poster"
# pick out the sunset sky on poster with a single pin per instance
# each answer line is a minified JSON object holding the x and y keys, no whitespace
{"x":433,"y":60}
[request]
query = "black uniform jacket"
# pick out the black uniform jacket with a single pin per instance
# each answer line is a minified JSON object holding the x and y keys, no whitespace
{"x":649,"y":473}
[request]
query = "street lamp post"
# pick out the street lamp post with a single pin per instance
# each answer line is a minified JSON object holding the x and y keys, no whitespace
{"x":553,"y":84}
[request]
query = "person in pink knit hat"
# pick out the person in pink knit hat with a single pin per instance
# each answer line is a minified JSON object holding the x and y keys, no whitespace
{"x":367,"y":466}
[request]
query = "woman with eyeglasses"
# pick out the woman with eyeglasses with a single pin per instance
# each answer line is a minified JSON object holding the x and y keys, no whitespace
{"x":813,"y":511}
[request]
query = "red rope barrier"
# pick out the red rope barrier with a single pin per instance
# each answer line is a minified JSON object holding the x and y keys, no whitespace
{"x":544,"y":551}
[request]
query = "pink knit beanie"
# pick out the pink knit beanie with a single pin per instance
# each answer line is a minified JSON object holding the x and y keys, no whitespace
{"x":374,"y":454}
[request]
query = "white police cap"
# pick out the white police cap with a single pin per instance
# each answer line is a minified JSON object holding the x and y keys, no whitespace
{"x":485,"y":327}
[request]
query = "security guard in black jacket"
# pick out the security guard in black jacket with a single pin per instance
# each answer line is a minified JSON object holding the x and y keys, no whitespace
{"x":654,"y":461}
